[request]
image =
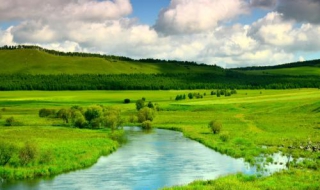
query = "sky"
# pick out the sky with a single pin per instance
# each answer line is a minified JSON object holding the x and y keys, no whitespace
{"x":228,"y":33}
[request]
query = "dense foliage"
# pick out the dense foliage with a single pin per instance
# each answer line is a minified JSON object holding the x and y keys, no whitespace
{"x":155,"y":81}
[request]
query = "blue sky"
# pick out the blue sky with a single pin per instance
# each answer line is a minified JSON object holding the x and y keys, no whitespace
{"x":231,"y":33}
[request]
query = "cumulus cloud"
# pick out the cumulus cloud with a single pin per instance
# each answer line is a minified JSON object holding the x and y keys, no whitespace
{"x":264,"y":4}
{"x":62,"y":10}
{"x":195,"y":30}
{"x":300,"y":10}
{"x":6,"y":38}
{"x":274,"y":30}
{"x":194,"y":16}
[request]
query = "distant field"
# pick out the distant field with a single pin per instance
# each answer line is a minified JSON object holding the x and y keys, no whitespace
{"x":32,"y":61}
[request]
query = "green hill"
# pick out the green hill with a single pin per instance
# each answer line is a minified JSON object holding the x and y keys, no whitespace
{"x":298,"y":68}
{"x":35,"y":61}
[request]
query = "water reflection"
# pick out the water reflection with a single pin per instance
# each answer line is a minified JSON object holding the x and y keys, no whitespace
{"x":147,"y":161}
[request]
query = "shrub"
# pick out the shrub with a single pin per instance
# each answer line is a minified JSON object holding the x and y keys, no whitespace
{"x":93,"y":113}
{"x":46,"y":112}
{"x":190,"y":95}
{"x":224,"y":136}
{"x":27,"y":153}
{"x":133,"y":119}
{"x":146,"y":114}
{"x":150,"y":105}
{"x":10,"y":121}
{"x":79,"y":120}
{"x":215,"y":126}
{"x":6,"y":152}
{"x":64,"y":114}
{"x":139,"y":104}
{"x":147,"y":124}
{"x":126,"y":101}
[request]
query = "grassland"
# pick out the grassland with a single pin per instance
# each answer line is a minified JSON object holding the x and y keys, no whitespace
{"x":32,"y":61}
{"x":254,"y":122}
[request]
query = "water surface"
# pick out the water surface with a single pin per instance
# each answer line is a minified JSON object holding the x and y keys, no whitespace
{"x":147,"y":161}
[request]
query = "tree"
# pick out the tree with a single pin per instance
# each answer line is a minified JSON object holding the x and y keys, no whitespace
{"x":64,"y":114}
{"x":190,"y":95}
{"x":79,"y":120}
{"x":215,"y":126}
{"x":150,"y":105}
{"x":93,"y":113}
{"x":126,"y":101}
{"x":139,"y":104}
{"x":146,"y":114}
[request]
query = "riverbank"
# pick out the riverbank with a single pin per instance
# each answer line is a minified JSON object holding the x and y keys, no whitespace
{"x":254,"y":122}
{"x":47,"y":151}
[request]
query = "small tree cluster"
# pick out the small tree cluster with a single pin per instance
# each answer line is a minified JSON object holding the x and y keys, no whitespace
{"x":195,"y":95}
{"x":215,"y":126}
{"x":93,"y":117}
{"x":224,"y":92}
{"x":213,"y":93}
{"x":181,"y":97}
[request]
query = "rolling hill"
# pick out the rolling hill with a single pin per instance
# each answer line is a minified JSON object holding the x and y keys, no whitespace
{"x":35,"y":61}
{"x":34,"y":68}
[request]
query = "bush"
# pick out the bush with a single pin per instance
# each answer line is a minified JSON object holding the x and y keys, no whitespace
{"x":147,"y":124}
{"x":46,"y":112}
{"x":224,"y":136}
{"x":139,"y":104}
{"x":146,"y":114}
{"x":150,"y":105}
{"x":133,"y":119}
{"x":10,"y":121}
{"x":27,"y":153}
{"x":215,"y":126}
{"x":6,"y":152}
{"x":126,"y":101}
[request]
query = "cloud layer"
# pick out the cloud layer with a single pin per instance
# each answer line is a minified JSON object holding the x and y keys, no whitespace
{"x":206,"y":31}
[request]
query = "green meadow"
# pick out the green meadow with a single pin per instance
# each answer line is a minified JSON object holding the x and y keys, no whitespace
{"x":32,"y":61}
{"x":254,"y":122}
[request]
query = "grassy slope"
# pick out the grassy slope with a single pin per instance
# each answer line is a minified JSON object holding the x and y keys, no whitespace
{"x":251,"y":118}
{"x":38,"y":62}
{"x":307,"y":70}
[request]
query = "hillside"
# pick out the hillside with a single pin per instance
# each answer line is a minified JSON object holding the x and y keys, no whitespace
{"x":298,"y":68}
{"x":34,"y":68}
{"x":34,"y":61}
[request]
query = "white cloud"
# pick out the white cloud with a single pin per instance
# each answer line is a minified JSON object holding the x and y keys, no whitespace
{"x":201,"y":35}
{"x":194,"y":16}
{"x":6,"y":38}
{"x":62,"y":10}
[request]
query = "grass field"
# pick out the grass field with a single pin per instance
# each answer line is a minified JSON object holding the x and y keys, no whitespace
{"x":254,"y":122}
{"x":31,"y":61}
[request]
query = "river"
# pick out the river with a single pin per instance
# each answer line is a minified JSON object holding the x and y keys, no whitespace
{"x":149,"y":161}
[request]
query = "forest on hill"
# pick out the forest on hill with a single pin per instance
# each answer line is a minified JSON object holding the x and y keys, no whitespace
{"x":35,"y":68}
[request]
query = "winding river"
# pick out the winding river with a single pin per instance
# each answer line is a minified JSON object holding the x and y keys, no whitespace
{"x":147,"y":161}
